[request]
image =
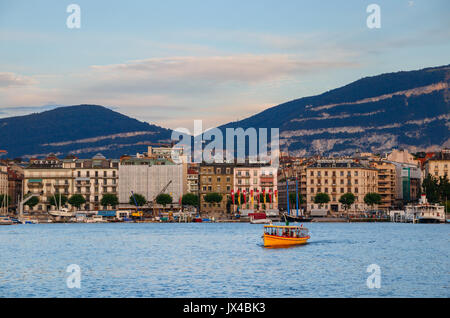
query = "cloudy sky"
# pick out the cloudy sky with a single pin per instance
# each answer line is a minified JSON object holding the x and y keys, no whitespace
{"x":171,"y":62}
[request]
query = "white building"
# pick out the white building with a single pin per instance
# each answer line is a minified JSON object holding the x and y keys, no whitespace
{"x":149,"y":177}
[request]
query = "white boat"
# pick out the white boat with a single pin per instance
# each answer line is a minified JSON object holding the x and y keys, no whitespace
{"x":4,"y":220}
{"x":64,"y":212}
{"x":425,"y":212}
{"x":96,"y":219}
{"x":29,"y":221}
{"x":260,"y":221}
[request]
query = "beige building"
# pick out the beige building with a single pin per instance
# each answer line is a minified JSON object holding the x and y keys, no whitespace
{"x":91,"y":178}
{"x":439,"y":164}
{"x":337,"y":177}
{"x":216,"y":178}
{"x":402,"y":156}
{"x":386,"y":184}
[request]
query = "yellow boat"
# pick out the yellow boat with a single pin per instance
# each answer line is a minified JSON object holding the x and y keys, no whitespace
{"x":285,"y":235}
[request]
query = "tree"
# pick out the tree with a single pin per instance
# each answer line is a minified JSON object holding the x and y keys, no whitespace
{"x":32,"y":202}
{"x":431,"y":187}
{"x":164,"y":199}
{"x":321,"y":198}
{"x":213,"y":197}
{"x":55,"y":199}
{"x":4,"y":197}
{"x":444,"y":188}
{"x":372,"y":198}
{"x":347,"y":199}
{"x":293,"y":200}
{"x":140,"y":199}
{"x":77,"y":200}
{"x":190,"y":199}
{"x":109,"y":199}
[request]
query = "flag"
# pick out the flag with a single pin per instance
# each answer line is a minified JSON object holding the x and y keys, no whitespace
{"x":251,"y":196}
{"x":239,"y":197}
{"x":270,"y":195}
{"x":276,"y":196}
{"x":264,"y":196}
{"x":245,"y":197}
{"x":232,"y":196}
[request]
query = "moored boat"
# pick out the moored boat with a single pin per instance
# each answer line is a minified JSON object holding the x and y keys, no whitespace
{"x":300,"y":218}
{"x":4,"y":220}
{"x":285,"y":235}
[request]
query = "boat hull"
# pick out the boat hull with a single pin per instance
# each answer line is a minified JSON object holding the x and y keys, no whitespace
{"x":298,"y":219}
{"x":279,"y":241}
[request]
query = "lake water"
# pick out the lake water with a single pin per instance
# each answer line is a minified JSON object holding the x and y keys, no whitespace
{"x":223,"y":260}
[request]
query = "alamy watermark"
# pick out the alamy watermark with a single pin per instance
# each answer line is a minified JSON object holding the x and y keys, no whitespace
{"x":374,"y":280}
{"x":74,"y":19}
{"x":374,"y":19}
{"x":208,"y":146}
{"x":74,"y":279}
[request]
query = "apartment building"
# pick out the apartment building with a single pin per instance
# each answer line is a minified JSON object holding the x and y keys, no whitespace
{"x":216,"y":178}
{"x":336,"y":177}
{"x":91,"y":178}
{"x":252,"y":180}
{"x":386,"y":184}
{"x":192,"y":179}
{"x":439,"y":164}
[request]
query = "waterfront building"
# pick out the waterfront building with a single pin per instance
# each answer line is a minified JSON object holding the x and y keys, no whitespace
{"x":148,"y":177}
{"x":192,"y":178}
{"x":15,"y":179}
{"x":94,"y":178}
{"x":216,"y":178}
{"x":3,"y":186}
{"x":408,"y":178}
{"x":252,"y":180}
{"x":387,"y":187}
{"x":293,"y":168}
{"x":439,"y":164}
{"x":91,"y":178}
{"x":337,"y":177}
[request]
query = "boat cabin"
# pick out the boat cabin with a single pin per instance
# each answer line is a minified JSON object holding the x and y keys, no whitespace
{"x":286,"y":231}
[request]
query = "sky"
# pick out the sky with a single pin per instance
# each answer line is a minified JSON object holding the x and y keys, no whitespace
{"x":172,"y":62}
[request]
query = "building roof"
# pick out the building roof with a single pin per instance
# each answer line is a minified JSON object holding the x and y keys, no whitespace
{"x":442,"y":155}
{"x":332,"y":163}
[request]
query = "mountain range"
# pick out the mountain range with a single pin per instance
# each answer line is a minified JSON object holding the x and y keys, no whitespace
{"x":82,"y":130}
{"x":409,"y":110}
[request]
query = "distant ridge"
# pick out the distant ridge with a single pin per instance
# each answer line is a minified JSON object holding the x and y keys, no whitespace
{"x":408,"y":110}
{"x":82,"y":130}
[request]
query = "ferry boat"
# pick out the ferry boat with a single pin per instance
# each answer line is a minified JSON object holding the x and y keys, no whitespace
{"x":285,"y":235}
{"x":425,"y":212}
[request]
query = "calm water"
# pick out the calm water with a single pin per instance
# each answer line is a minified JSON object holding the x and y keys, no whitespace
{"x":223,"y":260}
